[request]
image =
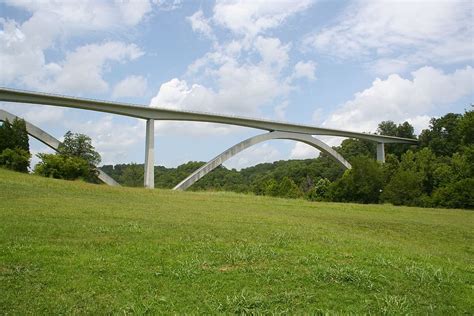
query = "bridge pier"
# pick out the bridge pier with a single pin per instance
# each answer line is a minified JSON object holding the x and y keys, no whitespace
{"x":381,"y":152}
{"x":149,"y":176}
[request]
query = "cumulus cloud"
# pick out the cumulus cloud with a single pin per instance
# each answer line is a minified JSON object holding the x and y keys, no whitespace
{"x":36,"y":114}
{"x":400,"y":32}
{"x":241,"y":88}
{"x":254,"y":155}
{"x":168,"y":5}
{"x":74,"y":16}
{"x":303,"y":151}
{"x":110,"y":138}
{"x":82,"y":69}
{"x":250,"y":18}
{"x":200,"y":24}
{"x":23,"y":45}
{"x":249,"y":70}
{"x":400,"y":99}
{"x":304,"y":70}
{"x":177,"y":95}
{"x":397,"y":99}
{"x":245,"y":73}
{"x":131,"y":86}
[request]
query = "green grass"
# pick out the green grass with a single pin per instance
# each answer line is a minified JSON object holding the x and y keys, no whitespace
{"x":72,"y":247}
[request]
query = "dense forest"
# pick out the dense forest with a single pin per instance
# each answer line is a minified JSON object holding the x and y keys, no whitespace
{"x":438,"y":172}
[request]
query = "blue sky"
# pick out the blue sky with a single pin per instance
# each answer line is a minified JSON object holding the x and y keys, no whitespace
{"x":339,"y":64}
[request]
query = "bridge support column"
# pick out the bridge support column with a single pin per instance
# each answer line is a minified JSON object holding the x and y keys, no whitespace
{"x":149,"y":176}
{"x":381,"y":152}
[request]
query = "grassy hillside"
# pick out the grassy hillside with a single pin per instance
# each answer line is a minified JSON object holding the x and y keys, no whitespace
{"x":71,"y":247}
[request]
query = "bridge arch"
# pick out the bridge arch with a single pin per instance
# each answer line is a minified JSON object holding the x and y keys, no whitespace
{"x":50,"y":141}
{"x":234,"y":150}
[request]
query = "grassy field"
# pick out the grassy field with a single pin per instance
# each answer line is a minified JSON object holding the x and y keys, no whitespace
{"x":71,"y":247}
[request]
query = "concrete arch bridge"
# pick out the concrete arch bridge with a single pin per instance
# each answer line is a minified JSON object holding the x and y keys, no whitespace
{"x":274,"y":129}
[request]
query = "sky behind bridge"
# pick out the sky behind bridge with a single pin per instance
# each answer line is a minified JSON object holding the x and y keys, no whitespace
{"x":337,"y":64}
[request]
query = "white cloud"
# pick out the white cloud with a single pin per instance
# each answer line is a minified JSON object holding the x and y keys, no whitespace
{"x":168,"y":5}
{"x":280,"y":110}
{"x":131,"y":86}
{"x":83,"y":69}
{"x":18,"y":56}
{"x":273,"y":53}
{"x":305,"y":70}
{"x":254,"y":155}
{"x":387,"y":66}
{"x":133,"y":11}
{"x":303,"y":151}
{"x":36,"y":114}
{"x":23,"y":46}
{"x":317,"y":116}
{"x":399,"y":99}
{"x":105,"y":133}
{"x":419,"y":122}
{"x":200,"y":24}
{"x":241,"y":89}
{"x":176,"y":94}
{"x":247,"y":72}
{"x":242,"y":75}
{"x":400,"y":32}
{"x":252,"y":17}
{"x":87,"y":14}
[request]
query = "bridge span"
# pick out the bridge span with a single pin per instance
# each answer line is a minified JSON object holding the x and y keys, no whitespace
{"x":150,"y":114}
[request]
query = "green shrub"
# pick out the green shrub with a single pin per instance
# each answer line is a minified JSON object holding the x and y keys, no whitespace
{"x":456,"y":195}
{"x":15,"y":159}
{"x":287,"y":188}
{"x":405,"y":188}
{"x":361,"y":184}
{"x":319,"y":190}
{"x":65,"y":167}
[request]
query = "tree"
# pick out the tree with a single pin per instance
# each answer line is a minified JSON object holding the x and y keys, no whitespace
{"x":424,"y":163}
{"x":63,"y":167}
{"x":20,"y":135}
{"x":79,"y":145}
{"x":443,"y":135}
{"x":351,"y":148}
{"x":287,"y":188}
{"x":456,"y":195}
{"x":132,"y":176}
{"x":319,"y":190}
{"x":466,"y":128}
{"x":361,"y":184}
{"x":76,"y":158}
{"x":15,"y":159}
{"x":388,"y":128}
{"x":271,"y":188}
{"x":405,"y":188}
{"x":14,"y":145}
{"x":404,"y":130}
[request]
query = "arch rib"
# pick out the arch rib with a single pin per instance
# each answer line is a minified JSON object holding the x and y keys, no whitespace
{"x":50,"y":141}
{"x":234,"y":150}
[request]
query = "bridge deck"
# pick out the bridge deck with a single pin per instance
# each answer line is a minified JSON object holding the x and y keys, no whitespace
{"x":143,"y":112}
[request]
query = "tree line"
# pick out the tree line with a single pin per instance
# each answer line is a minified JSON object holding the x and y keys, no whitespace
{"x":438,"y":172}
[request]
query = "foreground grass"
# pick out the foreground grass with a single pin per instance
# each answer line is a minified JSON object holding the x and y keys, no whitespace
{"x":78,"y":248}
